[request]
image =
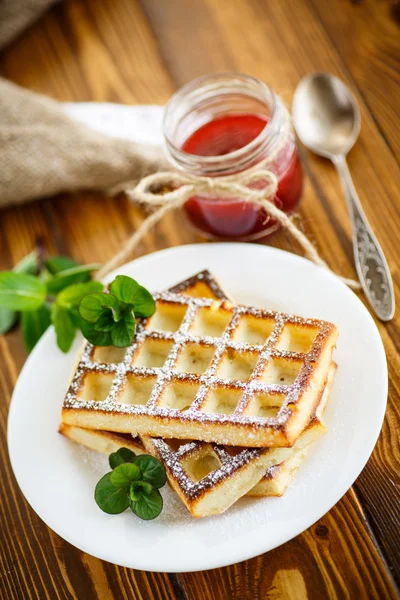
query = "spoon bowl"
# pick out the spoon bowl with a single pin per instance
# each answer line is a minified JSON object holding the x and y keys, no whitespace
{"x":326,"y":115}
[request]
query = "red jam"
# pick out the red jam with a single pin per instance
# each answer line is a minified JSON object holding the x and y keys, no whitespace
{"x":234,"y":218}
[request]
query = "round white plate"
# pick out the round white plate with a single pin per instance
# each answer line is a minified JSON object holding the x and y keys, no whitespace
{"x":58,"y":477}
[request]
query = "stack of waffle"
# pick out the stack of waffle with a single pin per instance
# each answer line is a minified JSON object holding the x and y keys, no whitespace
{"x":228,"y":397}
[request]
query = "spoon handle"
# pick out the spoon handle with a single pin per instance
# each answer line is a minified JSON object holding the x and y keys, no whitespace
{"x":371,"y":265}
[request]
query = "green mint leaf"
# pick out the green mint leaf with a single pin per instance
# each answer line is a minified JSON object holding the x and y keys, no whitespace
{"x":34,"y":323}
{"x":28,"y":265}
{"x":124,"y":288}
{"x":19,"y":291}
{"x":124,"y":474}
{"x":8,"y":318}
{"x":152,"y":470}
{"x":71,"y":296}
{"x":122,"y":332}
{"x":56,"y":264}
{"x":129,"y":291}
{"x":75,"y":317}
{"x":94,"y":305}
{"x":119,"y":312}
{"x":64,"y":326}
{"x":138,"y":489}
{"x":123,"y":455}
{"x":112,"y":500}
{"x":148,"y":506}
{"x":63,"y":279}
{"x":144,"y":303}
{"x":105,"y":322}
{"x":97,"y":338}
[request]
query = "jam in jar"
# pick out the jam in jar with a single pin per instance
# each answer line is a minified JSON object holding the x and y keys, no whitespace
{"x":225,"y":124}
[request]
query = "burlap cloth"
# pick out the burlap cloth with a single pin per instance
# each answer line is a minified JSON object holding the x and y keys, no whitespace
{"x":44,"y":152}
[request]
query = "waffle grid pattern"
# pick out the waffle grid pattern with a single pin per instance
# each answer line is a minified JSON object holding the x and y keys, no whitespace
{"x":227,"y":352}
{"x":198,"y":467}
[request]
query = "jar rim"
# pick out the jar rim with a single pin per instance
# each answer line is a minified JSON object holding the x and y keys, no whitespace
{"x":210,"y":84}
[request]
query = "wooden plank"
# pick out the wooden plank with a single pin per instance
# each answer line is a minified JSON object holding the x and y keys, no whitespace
{"x":64,"y":55}
{"x":106,"y":51}
{"x":366,"y":35}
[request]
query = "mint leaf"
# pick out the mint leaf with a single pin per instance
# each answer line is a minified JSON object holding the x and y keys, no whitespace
{"x":19,"y":291}
{"x":144,"y":303}
{"x":94,"y":305}
{"x":112,"y":500}
{"x":111,"y":315}
{"x":64,"y":326}
{"x":122,"y":332}
{"x":63,"y":279}
{"x":148,"y":506}
{"x":28,"y":265}
{"x":124,"y":288}
{"x":123,"y":455}
{"x":124,"y":474}
{"x":56,"y":264}
{"x":97,"y":338}
{"x":129,"y":291}
{"x":8,"y":318}
{"x":138,"y":488}
{"x":75,"y":317}
{"x":105,"y":322}
{"x":152,"y":470}
{"x":71,"y":296}
{"x":34,"y":323}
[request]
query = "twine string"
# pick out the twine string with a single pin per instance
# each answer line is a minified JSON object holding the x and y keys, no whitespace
{"x":184,"y":186}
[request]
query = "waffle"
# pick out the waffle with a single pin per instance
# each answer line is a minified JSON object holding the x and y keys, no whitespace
{"x":207,"y":477}
{"x":208,"y":370}
{"x":201,"y":498}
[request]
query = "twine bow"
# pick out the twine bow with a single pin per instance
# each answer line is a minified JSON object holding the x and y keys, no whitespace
{"x":150,"y":192}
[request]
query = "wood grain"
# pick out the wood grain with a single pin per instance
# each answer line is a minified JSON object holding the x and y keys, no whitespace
{"x":372,"y":60}
{"x":307,"y":567}
{"x":140,"y":52}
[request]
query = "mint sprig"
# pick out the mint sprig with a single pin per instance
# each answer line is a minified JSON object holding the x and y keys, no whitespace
{"x":45,"y":291}
{"x":58,"y":290}
{"x":133,"y":483}
{"x":110,"y":318}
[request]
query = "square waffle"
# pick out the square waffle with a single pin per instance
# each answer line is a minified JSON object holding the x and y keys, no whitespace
{"x":209,"y":478}
{"x":198,"y":496}
{"x":206,"y":369}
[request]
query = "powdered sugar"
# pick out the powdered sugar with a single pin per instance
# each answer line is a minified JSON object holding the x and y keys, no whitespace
{"x":210,"y":379}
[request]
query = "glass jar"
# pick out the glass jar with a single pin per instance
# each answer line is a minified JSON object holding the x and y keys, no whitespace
{"x":224,"y":124}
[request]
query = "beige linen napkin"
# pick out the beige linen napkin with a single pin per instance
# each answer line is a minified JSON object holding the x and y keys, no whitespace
{"x":44,"y":152}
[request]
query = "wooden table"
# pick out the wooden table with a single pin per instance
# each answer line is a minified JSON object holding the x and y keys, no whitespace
{"x":140,"y":52}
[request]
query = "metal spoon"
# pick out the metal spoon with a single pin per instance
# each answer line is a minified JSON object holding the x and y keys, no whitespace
{"x":327,"y":121}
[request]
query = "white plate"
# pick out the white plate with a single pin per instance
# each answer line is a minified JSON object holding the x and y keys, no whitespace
{"x":58,"y":477}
